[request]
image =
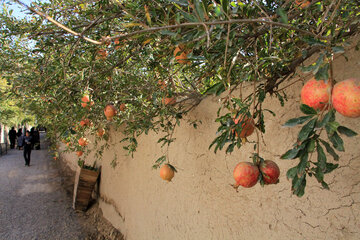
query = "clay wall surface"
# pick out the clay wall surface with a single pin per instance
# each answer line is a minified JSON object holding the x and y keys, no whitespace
{"x":200,"y":204}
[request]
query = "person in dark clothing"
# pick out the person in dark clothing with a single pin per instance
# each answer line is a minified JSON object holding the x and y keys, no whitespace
{"x":32,"y":130}
{"x":27,"y":148}
{"x":36,"y":139}
{"x":12,"y":137}
{"x":20,"y":139}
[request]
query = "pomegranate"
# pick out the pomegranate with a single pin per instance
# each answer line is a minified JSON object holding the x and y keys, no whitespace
{"x":79,"y":153}
{"x":270,"y":171}
{"x":167,"y":172}
{"x":316,"y":94}
{"x":110,"y":112}
{"x":85,"y":122}
{"x":346,"y":98}
{"x":247,"y":126}
{"x":83,"y":104}
{"x":83,"y":141}
{"x":100,"y":132}
{"x":85,"y":98}
{"x":122,"y":107}
{"x":245,"y":174}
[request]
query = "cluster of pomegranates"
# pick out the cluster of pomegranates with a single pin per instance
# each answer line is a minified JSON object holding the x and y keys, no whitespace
{"x":344,"y":96}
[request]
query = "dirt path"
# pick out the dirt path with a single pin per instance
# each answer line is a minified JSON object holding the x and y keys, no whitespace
{"x":33,"y":204}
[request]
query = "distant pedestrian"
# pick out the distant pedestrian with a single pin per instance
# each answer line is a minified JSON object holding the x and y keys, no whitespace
{"x":20,"y":139}
{"x":27,"y":148}
{"x":12,"y":137}
{"x":36,"y":139}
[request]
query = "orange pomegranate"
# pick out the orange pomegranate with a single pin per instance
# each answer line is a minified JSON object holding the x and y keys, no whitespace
{"x":110,"y":111}
{"x":180,"y":54}
{"x":316,"y":94}
{"x":83,"y":141}
{"x":122,"y":107}
{"x":79,"y":153}
{"x":246,"y":174}
{"x":85,"y":98}
{"x":167,"y":172}
{"x":100,"y":132}
{"x":247,"y":126}
{"x":83,"y":104}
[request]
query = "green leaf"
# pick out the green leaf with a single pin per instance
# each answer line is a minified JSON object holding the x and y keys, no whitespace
{"x":338,"y":49}
{"x":330,"y":150}
{"x":283,"y":16}
{"x":330,"y":167}
{"x":321,"y":158}
{"x":189,"y":17}
{"x":296,"y":121}
{"x":325,"y":185}
{"x":319,"y":174}
{"x":306,"y":130}
{"x":291,"y":173}
{"x":323,"y":72}
{"x":329,"y":117}
{"x":199,"y":9}
{"x":298,"y":185}
{"x":307,"y":110}
{"x":331,"y":127}
{"x":337,"y":142}
{"x":290,"y":154}
{"x":311,"y":146}
{"x":303,"y":163}
{"x":348,"y":132}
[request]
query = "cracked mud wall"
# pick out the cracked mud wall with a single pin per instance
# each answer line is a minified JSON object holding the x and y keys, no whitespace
{"x":200,"y":204}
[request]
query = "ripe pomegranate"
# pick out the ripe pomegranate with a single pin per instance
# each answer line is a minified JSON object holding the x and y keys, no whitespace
{"x":83,"y":141}
{"x":85,"y":98}
{"x":83,"y":104}
{"x":316,"y":94}
{"x":247,"y":126}
{"x":79,"y":153}
{"x":100,"y":132}
{"x":245,"y":174}
{"x":122,"y":107}
{"x":167,"y":172}
{"x":181,"y":55}
{"x":302,"y":3}
{"x":346,"y":98}
{"x":168,"y":101}
{"x":85,"y":122}
{"x":270,"y":171}
{"x":110,"y":111}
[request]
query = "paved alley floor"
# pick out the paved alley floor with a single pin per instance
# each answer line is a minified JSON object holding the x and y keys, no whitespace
{"x":33,"y":204}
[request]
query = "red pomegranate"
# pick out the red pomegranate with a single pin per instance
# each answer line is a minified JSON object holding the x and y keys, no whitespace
{"x":79,"y":153}
{"x":83,"y":141}
{"x":85,"y":98}
{"x":110,"y":111}
{"x":167,"y":172}
{"x":316,"y":94}
{"x":245,"y":174}
{"x":247,"y":126}
{"x":85,"y":122}
{"x":346,"y":98}
{"x":84,"y":105}
{"x":270,"y":171}
{"x":100,"y":132}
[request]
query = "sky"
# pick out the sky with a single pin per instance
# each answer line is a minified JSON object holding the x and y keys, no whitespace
{"x":18,"y":10}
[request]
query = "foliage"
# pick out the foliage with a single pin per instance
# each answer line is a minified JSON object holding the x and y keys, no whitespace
{"x":122,"y":52}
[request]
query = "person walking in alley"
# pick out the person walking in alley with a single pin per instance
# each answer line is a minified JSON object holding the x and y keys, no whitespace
{"x":27,"y":143}
{"x":20,"y":139}
{"x":12,"y":137}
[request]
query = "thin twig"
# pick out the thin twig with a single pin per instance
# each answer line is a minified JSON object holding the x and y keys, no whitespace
{"x":57,"y":23}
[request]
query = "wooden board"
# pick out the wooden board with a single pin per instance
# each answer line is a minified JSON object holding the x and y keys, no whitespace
{"x":85,"y":181}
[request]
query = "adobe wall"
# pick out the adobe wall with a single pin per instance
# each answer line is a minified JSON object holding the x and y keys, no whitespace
{"x":200,"y":204}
